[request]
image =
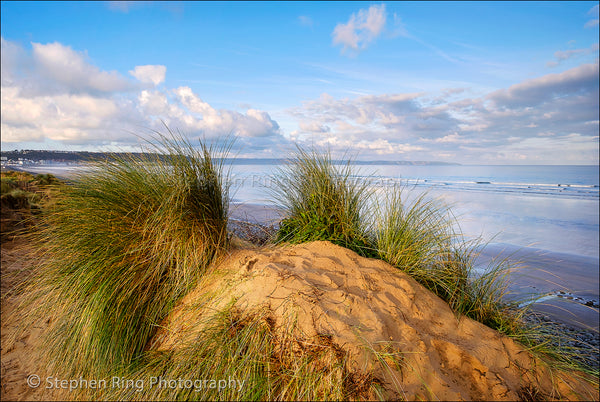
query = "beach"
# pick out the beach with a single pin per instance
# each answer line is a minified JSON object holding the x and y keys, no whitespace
{"x":359,"y":202}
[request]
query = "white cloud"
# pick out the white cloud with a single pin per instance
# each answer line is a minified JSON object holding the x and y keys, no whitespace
{"x":55,"y":93}
{"x":254,"y":123}
{"x":567,"y":54}
{"x":150,"y":74}
{"x":365,"y":26}
{"x":563,"y":55}
{"x":69,"y":68}
{"x":153,"y":102}
{"x":314,"y":127}
{"x":305,"y":20}
{"x":534,"y":91}
{"x":451,"y":138}
{"x":65,"y":117}
{"x":502,"y":126}
{"x":361,"y":29}
{"x":594,"y":21}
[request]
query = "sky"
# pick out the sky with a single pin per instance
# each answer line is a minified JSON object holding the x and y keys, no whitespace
{"x":465,"y":82}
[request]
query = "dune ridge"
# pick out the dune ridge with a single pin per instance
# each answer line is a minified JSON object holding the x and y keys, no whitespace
{"x":369,"y":309}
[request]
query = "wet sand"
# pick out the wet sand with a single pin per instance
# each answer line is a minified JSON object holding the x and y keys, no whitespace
{"x":561,"y":283}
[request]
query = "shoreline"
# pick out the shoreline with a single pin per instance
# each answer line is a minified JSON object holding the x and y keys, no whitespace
{"x":557,"y":285}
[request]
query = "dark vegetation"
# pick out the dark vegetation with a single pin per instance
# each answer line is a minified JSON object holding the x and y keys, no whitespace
{"x":84,"y":156}
{"x":22,"y":197}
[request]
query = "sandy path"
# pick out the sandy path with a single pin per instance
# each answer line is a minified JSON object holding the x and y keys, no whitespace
{"x":20,"y":354}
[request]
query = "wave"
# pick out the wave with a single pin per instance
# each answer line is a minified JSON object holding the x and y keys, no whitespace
{"x":588,"y":191}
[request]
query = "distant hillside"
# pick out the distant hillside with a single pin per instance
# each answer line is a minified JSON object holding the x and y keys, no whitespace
{"x":83,"y":156}
{"x":58,"y":156}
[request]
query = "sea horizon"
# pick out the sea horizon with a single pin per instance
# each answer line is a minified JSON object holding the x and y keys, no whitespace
{"x":353,"y":158}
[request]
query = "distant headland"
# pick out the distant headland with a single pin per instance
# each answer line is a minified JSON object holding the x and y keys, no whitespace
{"x":22,"y":157}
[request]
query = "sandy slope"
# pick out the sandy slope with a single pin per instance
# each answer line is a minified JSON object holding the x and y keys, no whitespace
{"x":366,"y":305}
{"x":363,"y":305}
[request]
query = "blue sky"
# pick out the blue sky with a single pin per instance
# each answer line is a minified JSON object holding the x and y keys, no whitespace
{"x":467,"y":82}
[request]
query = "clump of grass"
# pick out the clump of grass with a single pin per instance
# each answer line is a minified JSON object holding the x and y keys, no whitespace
{"x":19,"y":179}
{"x":412,"y":235}
{"x":21,"y":190}
{"x":8,"y":184}
{"x":46,"y":179}
{"x":19,"y":199}
{"x":122,"y":244}
{"x":18,"y":190}
{"x":323,"y":201}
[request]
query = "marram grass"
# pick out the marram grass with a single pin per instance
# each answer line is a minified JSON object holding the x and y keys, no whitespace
{"x":323,"y":201}
{"x":327,"y":201}
{"x":122,"y":245}
{"x":412,"y":236}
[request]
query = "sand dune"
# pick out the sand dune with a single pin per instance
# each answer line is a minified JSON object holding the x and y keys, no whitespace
{"x":366,"y":306}
{"x":363,"y":306}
